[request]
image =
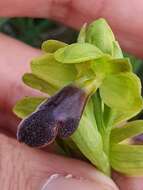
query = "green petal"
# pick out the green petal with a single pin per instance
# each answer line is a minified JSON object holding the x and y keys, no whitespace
{"x":37,"y":83}
{"x":120,"y":65}
{"x":27,"y":105}
{"x":105,"y":66}
{"x":51,"y":46}
{"x":117,"y":52}
{"x":77,"y":53}
{"x":89,"y":141}
{"x":127,"y":159}
{"x":82,"y":34}
{"x":48,"y":69}
{"x":122,"y":92}
{"x":129,"y":130}
{"x":100,"y":34}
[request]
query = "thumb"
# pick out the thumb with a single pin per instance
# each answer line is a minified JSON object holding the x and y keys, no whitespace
{"x":25,"y":168}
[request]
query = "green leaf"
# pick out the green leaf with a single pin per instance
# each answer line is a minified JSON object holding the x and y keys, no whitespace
{"x":127,"y":159}
{"x":89,"y":141}
{"x":51,"y":46}
{"x":117,"y":52}
{"x":37,"y":83}
{"x":48,"y":69}
{"x":122,"y":92}
{"x":100,"y":34}
{"x":77,"y":53}
{"x":27,"y":105}
{"x":82,"y":34}
{"x":105,"y":66}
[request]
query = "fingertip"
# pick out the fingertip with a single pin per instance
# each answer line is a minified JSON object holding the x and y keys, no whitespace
{"x":70,"y":182}
{"x":34,"y":169}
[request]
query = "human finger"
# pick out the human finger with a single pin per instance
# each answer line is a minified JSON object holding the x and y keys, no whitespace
{"x":125,"y":17}
{"x":32,"y":169}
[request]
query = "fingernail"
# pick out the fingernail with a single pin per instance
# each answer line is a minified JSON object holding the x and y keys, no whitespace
{"x":70,"y":182}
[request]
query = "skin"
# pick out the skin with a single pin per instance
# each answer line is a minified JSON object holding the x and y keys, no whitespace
{"x":20,"y":165}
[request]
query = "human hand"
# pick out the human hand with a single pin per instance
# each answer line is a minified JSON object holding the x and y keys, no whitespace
{"x":32,"y":167}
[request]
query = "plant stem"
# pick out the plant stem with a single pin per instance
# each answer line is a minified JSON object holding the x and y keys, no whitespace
{"x":105,"y":133}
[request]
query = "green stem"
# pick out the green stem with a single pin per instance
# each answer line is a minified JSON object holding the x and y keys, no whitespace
{"x":104,"y":120}
{"x":105,"y":133}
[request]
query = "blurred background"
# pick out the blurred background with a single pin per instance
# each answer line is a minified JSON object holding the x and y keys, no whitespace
{"x":35,"y":31}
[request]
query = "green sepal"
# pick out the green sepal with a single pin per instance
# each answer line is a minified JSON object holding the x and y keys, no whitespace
{"x":39,"y":84}
{"x":127,"y":159}
{"x":77,"y":53}
{"x":122,"y":92}
{"x":51,"y":46}
{"x":27,"y":105}
{"x":128,"y":130}
{"x":48,"y":69}
{"x":100,"y":34}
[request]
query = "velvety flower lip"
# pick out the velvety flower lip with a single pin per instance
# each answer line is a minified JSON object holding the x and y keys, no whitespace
{"x":59,"y":115}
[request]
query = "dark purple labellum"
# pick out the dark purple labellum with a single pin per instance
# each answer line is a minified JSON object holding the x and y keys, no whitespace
{"x":59,"y":115}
